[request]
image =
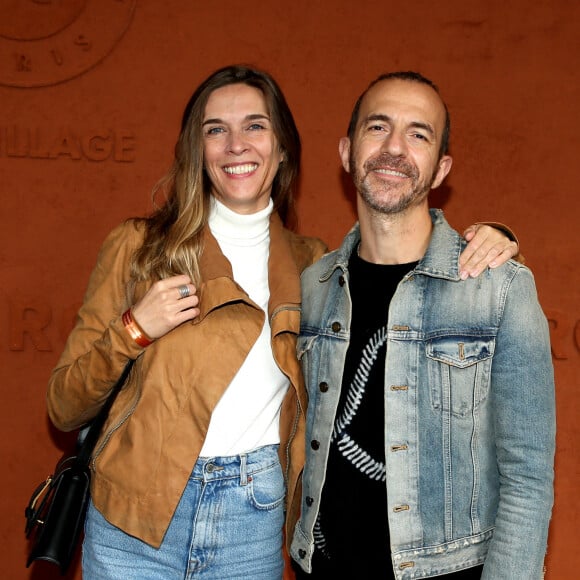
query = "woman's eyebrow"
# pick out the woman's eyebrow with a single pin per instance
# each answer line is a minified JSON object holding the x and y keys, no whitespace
{"x":252,"y":117}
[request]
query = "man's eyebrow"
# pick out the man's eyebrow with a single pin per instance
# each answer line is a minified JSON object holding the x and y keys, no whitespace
{"x":378,"y":117}
{"x":252,"y":117}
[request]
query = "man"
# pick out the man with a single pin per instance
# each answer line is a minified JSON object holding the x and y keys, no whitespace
{"x":430,"y":428}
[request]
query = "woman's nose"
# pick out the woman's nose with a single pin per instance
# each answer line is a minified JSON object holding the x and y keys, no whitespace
{"x":237,"y":143}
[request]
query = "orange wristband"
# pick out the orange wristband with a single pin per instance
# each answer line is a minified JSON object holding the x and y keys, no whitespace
{"x":136,"y":332}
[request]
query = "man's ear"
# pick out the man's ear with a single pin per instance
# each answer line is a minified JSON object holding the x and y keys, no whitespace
{"x":344,"y":152}
{"x":444,"y":167}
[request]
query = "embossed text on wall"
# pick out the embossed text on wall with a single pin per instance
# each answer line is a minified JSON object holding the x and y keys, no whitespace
{"x":67,"y":143}
{"x":46,"y":42}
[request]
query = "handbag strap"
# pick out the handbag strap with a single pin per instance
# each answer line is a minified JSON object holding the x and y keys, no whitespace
{"x":89,"y":434}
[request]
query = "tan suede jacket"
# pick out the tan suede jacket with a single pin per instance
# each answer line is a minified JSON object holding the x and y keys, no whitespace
{"x":158,"y":423}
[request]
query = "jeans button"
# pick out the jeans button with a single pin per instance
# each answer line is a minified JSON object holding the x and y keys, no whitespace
{"x":211,"y":467}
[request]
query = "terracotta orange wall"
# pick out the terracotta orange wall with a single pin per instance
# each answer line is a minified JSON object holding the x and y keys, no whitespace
{"x":91,"y":94}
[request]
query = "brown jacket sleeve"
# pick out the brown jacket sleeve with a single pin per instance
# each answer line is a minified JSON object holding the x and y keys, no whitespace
{"x":99,"y":346}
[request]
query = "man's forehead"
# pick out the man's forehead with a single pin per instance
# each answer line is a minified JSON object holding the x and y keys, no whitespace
{"x":396,"y":97}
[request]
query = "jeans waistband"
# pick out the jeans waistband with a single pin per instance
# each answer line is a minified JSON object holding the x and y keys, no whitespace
{"x":240,"y":466}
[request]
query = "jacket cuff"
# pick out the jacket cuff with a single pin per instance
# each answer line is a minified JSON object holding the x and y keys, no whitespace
{"x":510,"y":234}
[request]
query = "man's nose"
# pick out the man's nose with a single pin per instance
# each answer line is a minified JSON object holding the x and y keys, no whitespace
{"x":395,"y":144}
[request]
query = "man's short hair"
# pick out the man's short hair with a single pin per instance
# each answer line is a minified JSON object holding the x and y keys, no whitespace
{"x":402,"y":76}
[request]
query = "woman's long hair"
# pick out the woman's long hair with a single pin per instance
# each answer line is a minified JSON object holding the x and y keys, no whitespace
{"x":173,"y":236}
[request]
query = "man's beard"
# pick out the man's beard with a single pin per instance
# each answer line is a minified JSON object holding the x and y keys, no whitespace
{"x":387,"y":198}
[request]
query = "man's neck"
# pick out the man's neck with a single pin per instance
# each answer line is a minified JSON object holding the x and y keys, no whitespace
{"x":394,"y":238}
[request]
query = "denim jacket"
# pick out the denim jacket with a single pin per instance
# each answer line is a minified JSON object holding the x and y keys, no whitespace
{"x":469,"y":411}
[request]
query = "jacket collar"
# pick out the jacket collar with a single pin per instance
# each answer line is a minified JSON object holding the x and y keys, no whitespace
{"x":442,"y":257}
{"x":219,"y":288}
{"x":440,"y":261}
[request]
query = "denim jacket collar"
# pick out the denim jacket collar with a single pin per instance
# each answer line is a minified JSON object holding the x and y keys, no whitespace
{"x":440,"y":261}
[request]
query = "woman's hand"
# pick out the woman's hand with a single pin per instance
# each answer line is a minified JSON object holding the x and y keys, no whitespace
{"x":488,"y":247}
{"x":166,"y":305}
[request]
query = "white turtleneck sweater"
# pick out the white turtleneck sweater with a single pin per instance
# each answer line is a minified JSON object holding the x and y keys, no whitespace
{"x":247,"y":416}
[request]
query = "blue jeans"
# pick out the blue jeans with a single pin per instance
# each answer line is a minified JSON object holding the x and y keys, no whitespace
{"x":228,"y":524}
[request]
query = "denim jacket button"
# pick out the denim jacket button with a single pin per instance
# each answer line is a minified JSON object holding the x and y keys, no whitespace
{"x":323,"y":386}
{"x":401,"y":447}
{"x":399,"y":388}
{"x":341,"y":281}
{"x":315,"y":444}
{"x":302,"y":554}
{"x":309,"y":501}
{"x":401,"y":508}
{"x":336,"y":327}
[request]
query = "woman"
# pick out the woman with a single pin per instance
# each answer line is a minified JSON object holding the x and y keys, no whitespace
{"x":206,"y":437}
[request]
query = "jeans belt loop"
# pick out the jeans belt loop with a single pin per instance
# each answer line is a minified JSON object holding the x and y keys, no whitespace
{"x":243,"y":469}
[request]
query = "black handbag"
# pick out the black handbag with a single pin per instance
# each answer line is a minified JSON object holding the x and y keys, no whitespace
{"x":56,"y":512}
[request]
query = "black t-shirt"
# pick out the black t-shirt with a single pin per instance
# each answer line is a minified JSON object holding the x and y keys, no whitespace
{"x":351,"y":532}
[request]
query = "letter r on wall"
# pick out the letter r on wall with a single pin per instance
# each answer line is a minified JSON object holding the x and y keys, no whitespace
{"x":30,"y":319}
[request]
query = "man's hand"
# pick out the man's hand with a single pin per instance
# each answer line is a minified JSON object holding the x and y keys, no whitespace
{"x":488,"y":248}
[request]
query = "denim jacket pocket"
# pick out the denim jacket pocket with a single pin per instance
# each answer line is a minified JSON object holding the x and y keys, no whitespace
{"x":459,"y":372}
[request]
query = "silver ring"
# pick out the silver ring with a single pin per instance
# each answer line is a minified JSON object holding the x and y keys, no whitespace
{"x":183,"y":291}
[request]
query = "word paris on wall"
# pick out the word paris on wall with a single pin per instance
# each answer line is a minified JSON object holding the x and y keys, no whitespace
{"x":35,"y":325}
{"x":46,"y":42}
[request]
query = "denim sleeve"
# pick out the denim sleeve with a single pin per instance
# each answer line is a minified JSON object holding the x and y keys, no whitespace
{"x":524,"y":421}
